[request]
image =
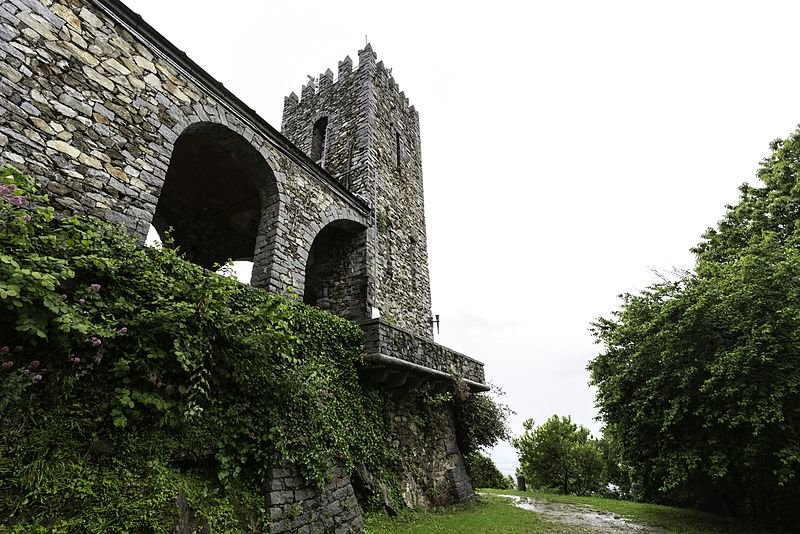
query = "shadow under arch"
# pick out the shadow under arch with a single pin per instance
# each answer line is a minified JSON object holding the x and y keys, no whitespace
{"x":220,"y":197}
{"x":336,"y":270}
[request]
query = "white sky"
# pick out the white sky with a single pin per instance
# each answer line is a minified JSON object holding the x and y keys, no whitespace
{"x":568,"y":147}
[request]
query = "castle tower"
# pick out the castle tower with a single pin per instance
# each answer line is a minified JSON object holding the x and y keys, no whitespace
{"x":361,"y":130}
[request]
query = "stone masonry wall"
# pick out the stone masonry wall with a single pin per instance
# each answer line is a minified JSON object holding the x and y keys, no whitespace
{"x":403,"y":282}
{"x":373,"y":148}
{"x":294,"y":506}
{"x":93,"y":110}
{"x":432,"y":467}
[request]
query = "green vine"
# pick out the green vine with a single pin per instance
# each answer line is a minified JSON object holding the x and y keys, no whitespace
{"x":128,"y":375}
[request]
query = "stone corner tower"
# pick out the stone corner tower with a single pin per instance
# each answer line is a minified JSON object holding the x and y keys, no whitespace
{"x":362,"y":131}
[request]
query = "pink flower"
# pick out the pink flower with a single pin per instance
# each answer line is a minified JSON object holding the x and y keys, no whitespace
{"x":75,"y":360}
{"x":35,"y":364}
{"x":81,"y":301}
{"x":63,"y":297}
{"x":122,"y":331}
{"x":5,"y":350}
{"x":95,"y":287}
{"x":37,"y":377}
{"x":7,"y":365}
{"x":96,"y":341}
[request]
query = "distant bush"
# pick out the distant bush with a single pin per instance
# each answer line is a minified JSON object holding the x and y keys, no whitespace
{"x":562,"y":456}
{"x":484,"y":473}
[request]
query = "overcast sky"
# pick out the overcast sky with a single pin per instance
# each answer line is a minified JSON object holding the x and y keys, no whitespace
{"x":568,"y":147}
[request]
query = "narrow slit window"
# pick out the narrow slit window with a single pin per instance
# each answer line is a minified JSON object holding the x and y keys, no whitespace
{"x":397,"y":147}
{"x":318,"y":139}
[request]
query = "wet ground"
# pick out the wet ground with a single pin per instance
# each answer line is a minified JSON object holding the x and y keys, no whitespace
{"x":581,"y":516}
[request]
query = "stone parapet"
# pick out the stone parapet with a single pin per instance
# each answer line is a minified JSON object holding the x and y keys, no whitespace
{"x":391,"y":346}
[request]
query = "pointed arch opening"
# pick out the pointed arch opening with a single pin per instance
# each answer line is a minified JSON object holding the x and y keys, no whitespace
{"x":220,"y":198}
{"x":336,"y":270}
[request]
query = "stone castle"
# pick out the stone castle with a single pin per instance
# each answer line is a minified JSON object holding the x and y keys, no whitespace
{"x":116,"y":122}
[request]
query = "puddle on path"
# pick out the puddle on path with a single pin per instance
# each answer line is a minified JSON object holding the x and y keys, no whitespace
{"x":580,"y":515}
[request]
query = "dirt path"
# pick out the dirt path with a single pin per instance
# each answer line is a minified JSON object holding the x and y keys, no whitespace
{"x":581,"y":516}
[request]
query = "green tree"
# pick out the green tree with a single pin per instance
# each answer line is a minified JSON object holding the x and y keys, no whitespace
{"x":699,"y":379}
{"x":560,"y":454}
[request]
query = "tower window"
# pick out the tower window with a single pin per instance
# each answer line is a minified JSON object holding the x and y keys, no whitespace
{"x":318,"y":140}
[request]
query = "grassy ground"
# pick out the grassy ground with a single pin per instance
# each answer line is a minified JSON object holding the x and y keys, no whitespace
{"x":491,"y":515}
{"x":494,"y":514}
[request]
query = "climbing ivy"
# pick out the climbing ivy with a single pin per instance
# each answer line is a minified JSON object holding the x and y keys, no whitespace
{"x":129,"y":375}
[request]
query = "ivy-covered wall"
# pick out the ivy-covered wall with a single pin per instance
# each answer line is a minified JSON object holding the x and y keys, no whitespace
{"x":140,"y":391}
{"x":130,"y":377}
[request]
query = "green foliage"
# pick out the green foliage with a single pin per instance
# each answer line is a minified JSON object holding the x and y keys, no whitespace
{"x":699,"y":379}
{"x":561,"y":455}
{"x":129,"y":375}
{"x":481,"y":419}
{"x":616,"y":471}
{"x":484,"y":473}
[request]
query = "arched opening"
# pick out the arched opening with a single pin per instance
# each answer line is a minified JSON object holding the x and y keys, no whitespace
{"x":336,"y":270}
{"x":318,"y":140}
{"x":153,"y":238}
{"x":219,"y":196}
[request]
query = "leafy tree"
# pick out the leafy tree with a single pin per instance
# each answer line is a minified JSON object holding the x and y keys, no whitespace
{"x":560,"y":454}
{"x":484,"y":473}
{"x":699,"y":379}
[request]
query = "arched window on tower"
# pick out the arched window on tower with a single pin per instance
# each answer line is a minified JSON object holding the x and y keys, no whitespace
{"x":319,"y":140}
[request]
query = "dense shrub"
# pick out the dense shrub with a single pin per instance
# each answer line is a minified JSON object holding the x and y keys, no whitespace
{"x":484,"y":473}
{"x":128,"y":374}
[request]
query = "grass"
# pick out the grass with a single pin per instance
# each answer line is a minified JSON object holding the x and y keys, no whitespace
{"x":490,"y":515}
{"x":495,"y":514}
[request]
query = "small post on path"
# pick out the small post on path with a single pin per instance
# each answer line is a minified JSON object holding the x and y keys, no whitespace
{"x":521,"y":482}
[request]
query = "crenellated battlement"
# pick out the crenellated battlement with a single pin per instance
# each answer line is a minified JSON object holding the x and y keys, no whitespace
{"x":368,"y":69}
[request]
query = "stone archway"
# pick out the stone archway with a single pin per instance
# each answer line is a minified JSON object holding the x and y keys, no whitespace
{"x":336,"y":270}
{"x":220,"y":199}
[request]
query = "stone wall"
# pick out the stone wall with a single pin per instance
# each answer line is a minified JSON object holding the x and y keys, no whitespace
{"x":296,"y":506}
{"x":431,"y":465}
